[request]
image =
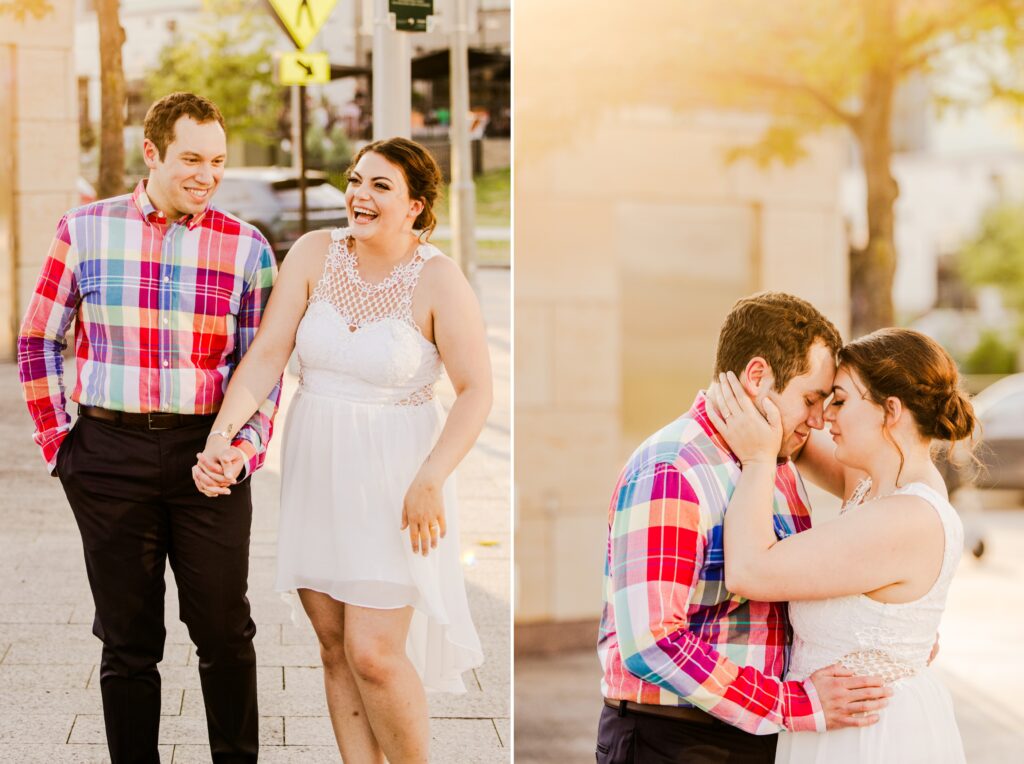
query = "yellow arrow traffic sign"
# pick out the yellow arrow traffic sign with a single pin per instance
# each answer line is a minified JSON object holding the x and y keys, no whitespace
{"x":300,"y":68}
{"x":302,"y":18}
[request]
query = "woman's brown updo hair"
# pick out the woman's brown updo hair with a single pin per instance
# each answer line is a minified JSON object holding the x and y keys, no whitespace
{"x":908,"y":365}
{"x":421,"y":171}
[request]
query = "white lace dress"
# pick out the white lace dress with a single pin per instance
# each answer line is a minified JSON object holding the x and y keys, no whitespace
{"x":889,"y":640}
{"x":359,"y":427}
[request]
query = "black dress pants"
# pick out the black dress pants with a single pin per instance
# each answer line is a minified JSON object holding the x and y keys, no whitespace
{"x":641,"y":739}
{"x":132,"y":495}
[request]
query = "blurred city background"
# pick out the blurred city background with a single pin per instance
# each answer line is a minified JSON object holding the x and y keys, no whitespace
{"x":76,"y":79}
{"x":53,"y":127}
{"x":673,"y":157}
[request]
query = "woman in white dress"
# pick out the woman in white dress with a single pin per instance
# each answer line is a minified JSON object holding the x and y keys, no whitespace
{"x":368,"y":530}
{"x":866,"y":591}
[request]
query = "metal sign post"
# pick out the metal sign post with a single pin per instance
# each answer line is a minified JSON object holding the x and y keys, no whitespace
{"x":301,"y":20}
{"x":463,"y":199}
{"x":392,"y":77}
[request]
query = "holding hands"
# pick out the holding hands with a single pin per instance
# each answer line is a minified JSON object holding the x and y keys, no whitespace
{"x":217,"y":467}
{"x":752,"y":436}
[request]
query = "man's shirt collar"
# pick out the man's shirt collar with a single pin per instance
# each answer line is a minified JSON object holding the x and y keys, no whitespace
{"x":152,"y":215}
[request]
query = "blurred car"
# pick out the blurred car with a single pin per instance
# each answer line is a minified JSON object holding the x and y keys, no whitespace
{"x":268,"y":198}
{"x":1000,"y":412}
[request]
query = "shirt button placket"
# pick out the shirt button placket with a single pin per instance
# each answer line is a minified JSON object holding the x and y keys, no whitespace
{"x":165,"y":306}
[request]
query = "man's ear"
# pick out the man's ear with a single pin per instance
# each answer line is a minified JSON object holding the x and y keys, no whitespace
{"x":150,"y":154}
{"x":757,"y":378}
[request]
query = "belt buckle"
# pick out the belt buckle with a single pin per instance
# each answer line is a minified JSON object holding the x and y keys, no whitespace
{"x":149,"y":420}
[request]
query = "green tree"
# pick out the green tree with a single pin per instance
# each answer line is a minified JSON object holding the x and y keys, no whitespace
{"x":811,"y":65}
{"x":996,"y":255}
{"x":21,"y":9}
{"x":227,"y":58}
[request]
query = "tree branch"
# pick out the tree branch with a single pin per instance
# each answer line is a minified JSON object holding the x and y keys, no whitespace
{"x":850,"y":119}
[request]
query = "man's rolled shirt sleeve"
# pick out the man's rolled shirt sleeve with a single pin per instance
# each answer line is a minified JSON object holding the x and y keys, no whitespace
{"x":253,"y":437}
{"x":41,"y":341}
{"x":661,"y":542}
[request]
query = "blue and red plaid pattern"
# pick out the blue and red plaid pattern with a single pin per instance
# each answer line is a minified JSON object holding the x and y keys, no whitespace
{"x":164,"y":312}
{"x":671,"y":633}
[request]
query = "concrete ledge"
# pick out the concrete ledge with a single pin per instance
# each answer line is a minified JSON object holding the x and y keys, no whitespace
{"x":550,"y":637}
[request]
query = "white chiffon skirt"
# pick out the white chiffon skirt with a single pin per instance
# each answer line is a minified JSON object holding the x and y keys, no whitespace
{"x":346,"y":468}
{"x":917,"y":727}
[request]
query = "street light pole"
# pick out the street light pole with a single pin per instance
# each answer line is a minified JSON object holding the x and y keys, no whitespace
{"x":463,"y":201}
{"x":392,"y":77}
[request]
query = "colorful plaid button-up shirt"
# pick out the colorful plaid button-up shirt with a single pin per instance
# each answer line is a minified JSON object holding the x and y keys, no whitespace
{"x":164,"y":311}
{"x":671,"y":634}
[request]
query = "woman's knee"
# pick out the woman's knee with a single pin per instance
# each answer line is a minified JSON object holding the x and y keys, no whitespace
{"x":373,"y":660}
{"x":331,"y":640}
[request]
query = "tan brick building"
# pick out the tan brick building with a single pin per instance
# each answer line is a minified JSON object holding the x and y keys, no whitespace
{"x":38,"y":151}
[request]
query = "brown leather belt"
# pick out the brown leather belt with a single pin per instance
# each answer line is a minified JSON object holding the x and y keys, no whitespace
{"x":154,"y":420}
{"x":680,"y":713}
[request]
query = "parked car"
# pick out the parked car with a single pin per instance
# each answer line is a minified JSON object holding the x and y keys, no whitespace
{"x":268,"y":198}
{"x":1000,"y":412}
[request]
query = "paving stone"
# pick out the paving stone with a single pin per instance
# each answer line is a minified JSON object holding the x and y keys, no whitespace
{"x":473,"y":704}
{"x":504,"y":729}
{"x":325,"y":754}
{"x":24,"y":727}
{"x":75,"y":652}
{"x":467,"y":741}
{"x":303,"y":679}
{"x":272,"y":703}
{"x":37,"y":612}
{"x":308,"y":730}
{"x":174,"y":730}
{"x":296,"y":634}
{"x":66,"y":754}
{"x":18,"y":677}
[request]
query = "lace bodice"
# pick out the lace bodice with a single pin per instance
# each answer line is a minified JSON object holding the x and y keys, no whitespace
{"x":871,"y":637}
{"x":359,"y":341}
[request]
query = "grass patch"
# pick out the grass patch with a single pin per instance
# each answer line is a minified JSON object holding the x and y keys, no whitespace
{"x":493,"y":200}
{"x":496,"y":253}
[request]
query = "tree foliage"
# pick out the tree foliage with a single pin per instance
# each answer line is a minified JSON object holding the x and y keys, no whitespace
{"x":22,"y":9}
{"x":227,"y":58}
{"x":811,"y":65}
{"x":996,"y":256}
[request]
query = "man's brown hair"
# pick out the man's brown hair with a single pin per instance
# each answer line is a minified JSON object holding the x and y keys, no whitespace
{"x":158,"y":126}
{"x":778,"y":327}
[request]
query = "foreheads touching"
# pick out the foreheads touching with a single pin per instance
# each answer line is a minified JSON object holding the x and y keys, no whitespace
{"x":768,"y":338}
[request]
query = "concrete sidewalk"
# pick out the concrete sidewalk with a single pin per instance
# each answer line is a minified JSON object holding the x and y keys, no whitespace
{"x":50,"y":708}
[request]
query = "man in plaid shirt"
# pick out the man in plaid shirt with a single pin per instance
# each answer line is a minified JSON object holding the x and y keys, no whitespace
{"x":166,"y":293}
{"x":693,"y":672}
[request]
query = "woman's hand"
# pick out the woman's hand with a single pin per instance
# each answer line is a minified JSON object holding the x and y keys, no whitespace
{"x":217,"y":467}
{"x":752,"y":436}
{"x":423,"y":513}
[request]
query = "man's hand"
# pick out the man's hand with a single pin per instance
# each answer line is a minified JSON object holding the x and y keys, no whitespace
{"x":935,"y":649}
{"x":848,"y":699}
{"x":217,"y":467}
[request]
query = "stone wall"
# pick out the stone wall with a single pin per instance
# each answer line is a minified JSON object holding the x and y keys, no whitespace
{"x":39,"y":146}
